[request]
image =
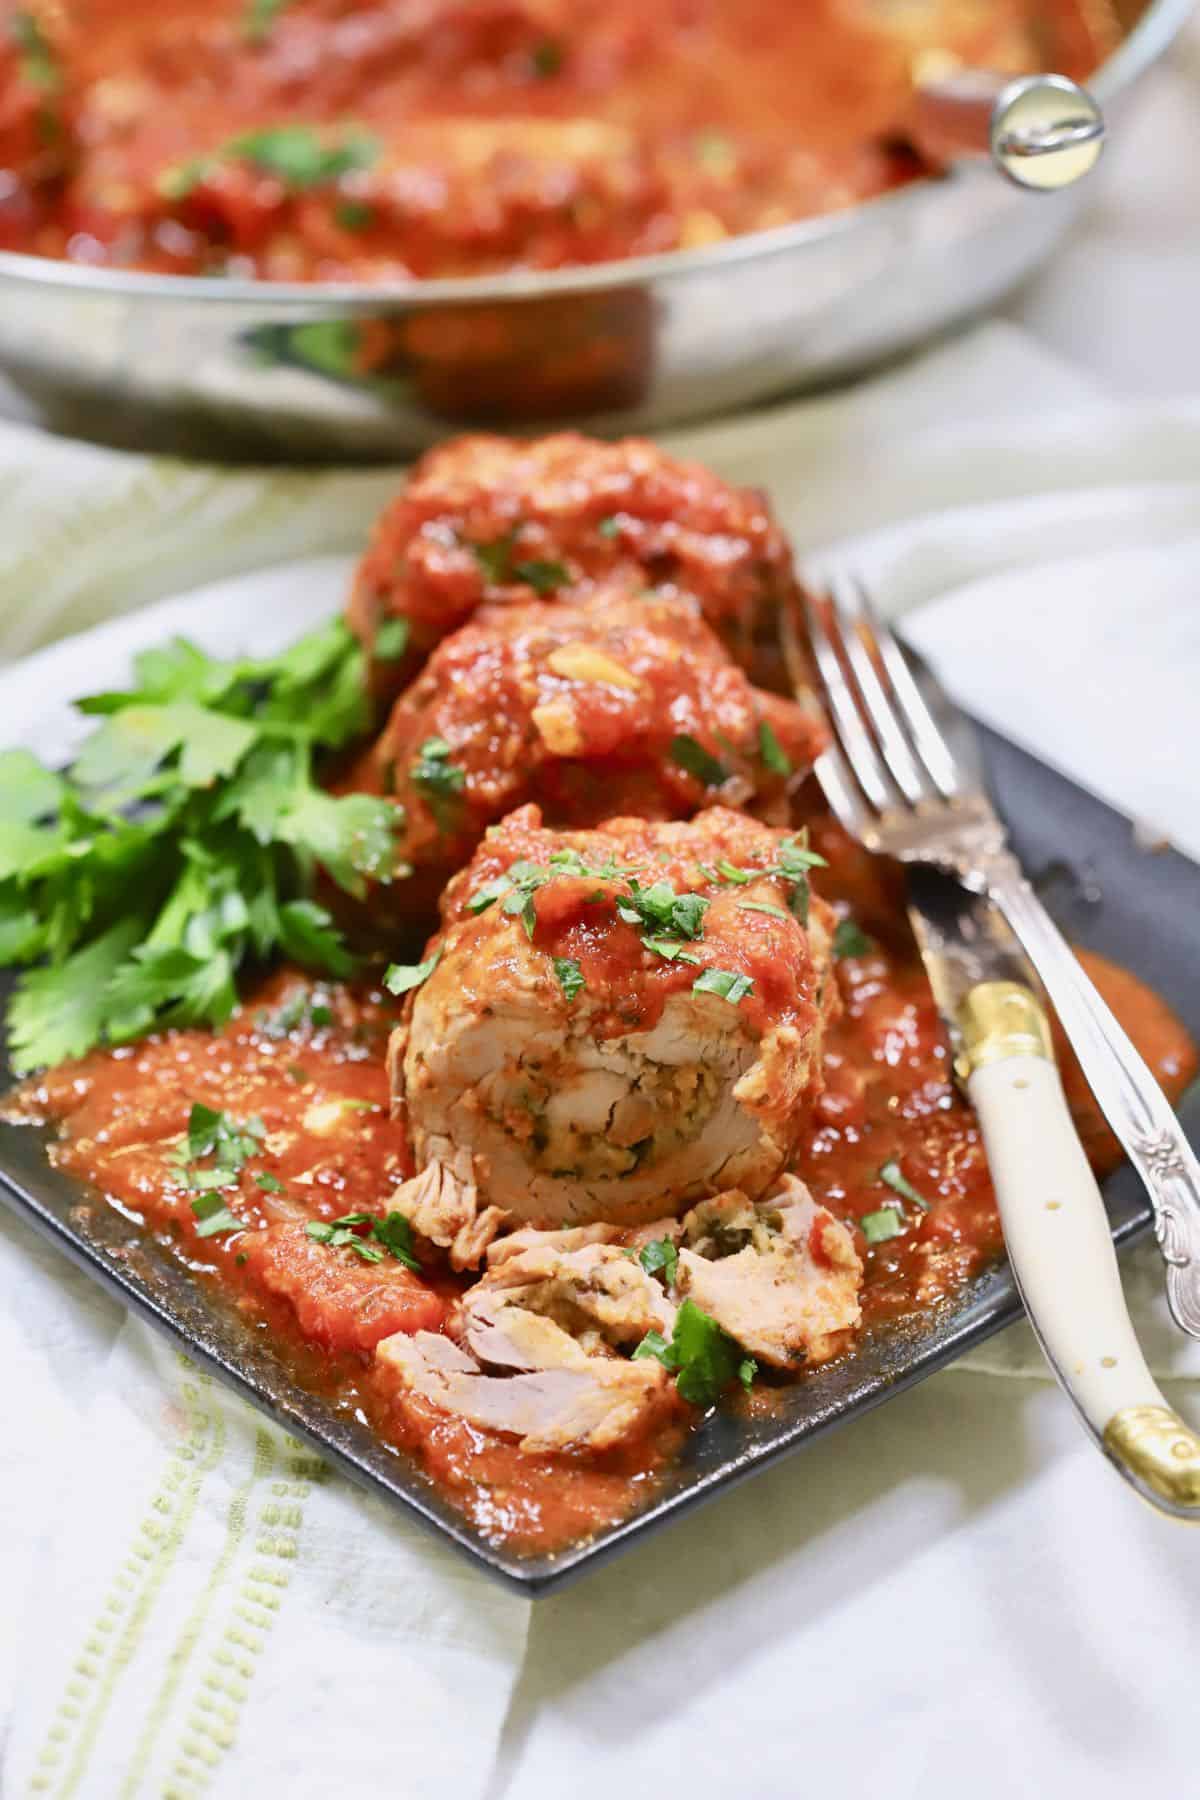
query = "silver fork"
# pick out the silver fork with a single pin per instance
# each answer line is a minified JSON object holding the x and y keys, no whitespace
{"x":894,"y":783}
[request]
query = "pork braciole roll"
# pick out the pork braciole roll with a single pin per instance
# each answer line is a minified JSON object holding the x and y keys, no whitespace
{"x":617,"y":1023}
{"x":610,"y":704}
{"x":489,"y":519}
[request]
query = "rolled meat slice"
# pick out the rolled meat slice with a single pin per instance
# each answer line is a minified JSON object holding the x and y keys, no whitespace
{"x":577,"y":1402}
{"x":491,"y":519}
{"x":617,"y":703}
{"x":538,"y":1349}
{"x":781,"y":1275}
{"x":619,"y":1022}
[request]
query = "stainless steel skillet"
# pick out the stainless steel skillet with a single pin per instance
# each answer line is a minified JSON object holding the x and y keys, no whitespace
{"x":338,"y":372}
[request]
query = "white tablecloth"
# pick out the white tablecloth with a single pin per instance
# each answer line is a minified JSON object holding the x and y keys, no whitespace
{"x":953,"y":1593}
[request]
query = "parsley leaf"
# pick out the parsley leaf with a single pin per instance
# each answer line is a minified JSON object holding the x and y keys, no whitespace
{"x":214,"y":1217}
{"x":259,"y":17}
{"x":495,"y":559}
{"x":772,"y":752}
{"x":440,"y":780}
{"x":543,"y":577}
{"x":850,"y":940}
{"x":726,"y":982}
{"x":671,"y":949}
{"x":393,"y":1233}
{"x":547,"y":58}
{"x":38,"y":64}
{"x":610,"y":527}
{"x":893,"y":1175}
{"x":878,"y":1227}
{"x":706,"y":1361}
{"x":661,"y":1256}
{"x":660,"y":910}
{"x":391,"y":640}
{"x":569,"y":976}
{"x":698,"y":762}
{"x":297,"y":155}
{"x":230,"y":1143}
{"x":763,"y":906}
{"x":400,"y":977}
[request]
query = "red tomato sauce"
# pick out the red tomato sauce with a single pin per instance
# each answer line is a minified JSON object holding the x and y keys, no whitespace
{"x":465,"y":137}
{"x":318,"y":1084}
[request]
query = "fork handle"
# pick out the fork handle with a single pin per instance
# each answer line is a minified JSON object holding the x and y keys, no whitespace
{"x":1136,"y":1108}
{"x":1057,"y":1234}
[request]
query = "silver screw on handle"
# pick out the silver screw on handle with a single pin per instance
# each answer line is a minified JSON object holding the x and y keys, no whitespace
{"x":1041,"y":131}
{"x":1046,"y":132}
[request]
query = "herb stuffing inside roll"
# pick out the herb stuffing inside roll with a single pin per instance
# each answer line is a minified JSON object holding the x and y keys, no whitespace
{"x":620,"y":1022}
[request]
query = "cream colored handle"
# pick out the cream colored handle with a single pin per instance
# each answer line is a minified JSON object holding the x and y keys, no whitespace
{"x":1062,"y":1255}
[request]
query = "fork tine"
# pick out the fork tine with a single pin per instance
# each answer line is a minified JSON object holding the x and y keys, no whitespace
{"x":857,"y":742}
{"x":849,"y":600}
{"x":843,"y":794}
{"x":923,"y":729}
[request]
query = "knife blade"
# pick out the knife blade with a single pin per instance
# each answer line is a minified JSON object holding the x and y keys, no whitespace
{"x":965,"y":945}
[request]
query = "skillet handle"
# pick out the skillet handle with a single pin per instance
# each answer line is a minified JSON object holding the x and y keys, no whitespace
{"x":1042,"y":131}
{"x":1061,"y":1251}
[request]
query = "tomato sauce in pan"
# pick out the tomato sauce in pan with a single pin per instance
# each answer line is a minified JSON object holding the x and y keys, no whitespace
{"x":381,"y":139}
{"x":307,"y":1060}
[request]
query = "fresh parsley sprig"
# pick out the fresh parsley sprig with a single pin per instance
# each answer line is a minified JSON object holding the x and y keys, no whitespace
{"x":183,"y":841}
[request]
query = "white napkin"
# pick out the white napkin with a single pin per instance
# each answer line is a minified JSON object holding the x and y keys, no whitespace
{"x":375,"y":1624}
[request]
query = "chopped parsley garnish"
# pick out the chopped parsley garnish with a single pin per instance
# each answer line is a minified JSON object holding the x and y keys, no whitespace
{"x":213,"y":1216}
{"x":354,"y":215}
{"x":184,"y":841}
{"x":270,"y":1184}
{"x":496,"y":560}
{"x":297,"y":155}
{"x":727,"y":983}
{"x":850,"y":940}
{"x":772,"y":752}
{"x":259,"y":17}
{"x":440,"y":780}
{"x":488,"y":894}
{"x":393,"y":1234}
{"x":715,"y":152}
{"x":39,"y":65}
{"x":547,"y":58}
{"x":400,"y":977}
{"x":671,"y":949}
{"x":230,"y":1143}
{"x":569,"y":976}
{"x":610,"y":527}
{"x":543,"y":577}
{"x":878,"y":1227}
{"x":698,"y":762}
{"x":391,"y":640}
{"x":704,"y":1360}
{"x":660,"y":1257}
{"x":795,"y":861}
{"x":301,"y":1007}
{"x":764,"y":906}
{"x":516,"y":888}
{"x":661,"y":911}
{"x":792,"y":865}
{"x":894,"y":1176}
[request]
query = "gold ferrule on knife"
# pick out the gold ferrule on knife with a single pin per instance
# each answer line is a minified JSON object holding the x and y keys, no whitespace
{"x":999,"y":1019}
{"x":1160,"y":1449}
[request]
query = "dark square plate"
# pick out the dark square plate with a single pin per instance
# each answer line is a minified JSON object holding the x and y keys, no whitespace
{"x":1139,"y":908}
